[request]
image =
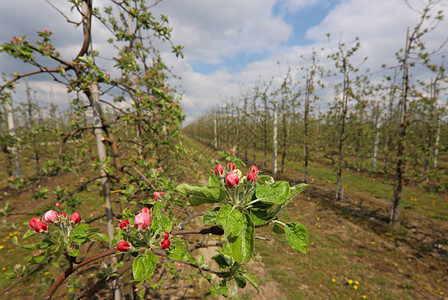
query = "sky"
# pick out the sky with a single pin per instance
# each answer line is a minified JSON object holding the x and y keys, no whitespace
{"x":230,"y":45}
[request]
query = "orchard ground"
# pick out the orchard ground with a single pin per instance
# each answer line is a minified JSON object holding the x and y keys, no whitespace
{"x":353,"y":252}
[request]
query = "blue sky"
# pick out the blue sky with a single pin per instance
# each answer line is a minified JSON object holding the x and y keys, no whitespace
{"x":232,"y":44}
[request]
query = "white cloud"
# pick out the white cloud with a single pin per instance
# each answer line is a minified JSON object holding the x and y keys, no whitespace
{"x":214,"y":30}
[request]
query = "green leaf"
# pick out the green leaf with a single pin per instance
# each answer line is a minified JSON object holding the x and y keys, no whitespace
{"x":259,"y":217}
{"x":222,"y":260}
{"x":144,"y":265}
{"x":278,"y":229}
{"x":210,"y":216}
{"x":101,"y":237}
{"x":16,"y":243}
{"x":251,"y":280}
{"x":158,"y":207}
{"x":161,"y":223}
{"x":264,"y":180}
{"x":230,"y":219}
{"x":178,"y":252}
{"x":243,"y":245}
{"x":81,"y":229}
{"x":277,"y":193}
{"x":74,"y":253}
{"x":240,"y":281}
{"x":296,"y":236}
{"x":297,"y":189}
{"x":201,"y":194}
{"x":213,"y":180}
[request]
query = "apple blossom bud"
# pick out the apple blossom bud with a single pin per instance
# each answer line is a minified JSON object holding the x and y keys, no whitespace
{"x":232,"y":179}
{"x":254,"y":168}
{"x":166,"y":235}
{"x":141,"y":221}
{"x":124,"y":224}
{"x":51,"y":216}
{"x":40,"y":227}
{"x":146,"y":210}
{"x":252,"y":177}
{"x":230,"y":166}
{"x":63,"y":214}
{"x":219,"y":170}
{"x":123,"y":246}
{"x":33,"y":221}
{"x":165,"y":244}
{"x":75,"y":218}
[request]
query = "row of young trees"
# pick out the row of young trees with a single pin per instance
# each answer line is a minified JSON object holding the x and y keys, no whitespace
{"x":138,"y":155}
{"x":394,"y":125}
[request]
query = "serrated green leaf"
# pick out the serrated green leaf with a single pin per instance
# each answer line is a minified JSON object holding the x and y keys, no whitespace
{"x":161,"y":223}
{"x":201,"y":194}
{"x":259,"y":217}
{"x":240,"y":281}
{"x":243,"y":245}
{"x":81,"y":229}
{"x":231,"y":220}
{"x":251,"y":280}
{"x":16,"y":243}
{"x":278,"y":229}
{"x":222,"y":260}
{"x":277,"y":193}
{"x":144,"y":265}
{"x":178,"y":252}
{"x":296,"y":236}
{"x":213,"y":180}
{"x":265,"y":179}
{"x":102,"y":237}
{"x":210,"y":216}
{"x":297,"y":189}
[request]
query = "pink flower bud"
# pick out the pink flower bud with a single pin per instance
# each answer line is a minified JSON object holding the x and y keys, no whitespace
{"x":51,"y":216}
{"x":146,"y":210}
{"x":165,"y":244}
{"x":219,"y":170}
{"x":123,"y":246}
{"x":166,"y":235}
{"x":141,"y":221}
{"x":75,"y":218}
{"x":252,"y":176}
{"x":124,"y":224}
{"x":232,"y":179}
{"x":33,"y":221}
{"x":254,"y":169}
{"x":40,"y":227}
{"x":63,"y":214}
{"x":230,"y":166}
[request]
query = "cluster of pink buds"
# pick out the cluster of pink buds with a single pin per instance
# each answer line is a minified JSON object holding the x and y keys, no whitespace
{"x":252,"y":176}
{"x":50,"y":217}
{"x":158,"y":194}
{"x":231,"y":151}
{"x":231,"y":175}
{"x":16,"y":39}
{"x":166,"y":241}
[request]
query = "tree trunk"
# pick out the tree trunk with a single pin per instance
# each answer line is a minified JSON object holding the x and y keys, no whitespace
{"x":274,"y":141}
{"x":377,"y":138}
{"x":13,"y":149}
{"x":305,"y":130}
{"x":94,"y":98}
{"x":399,"y":174}
{"x":340,"y":180}
{"x":36,"y":153}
